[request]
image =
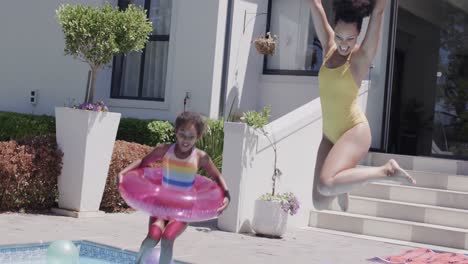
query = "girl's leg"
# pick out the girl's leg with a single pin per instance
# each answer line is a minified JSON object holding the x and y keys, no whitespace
{"x":171,"y":232}
{"x":155,"y":228}
{"x":339,"y":174}
{"x":319,"y":201}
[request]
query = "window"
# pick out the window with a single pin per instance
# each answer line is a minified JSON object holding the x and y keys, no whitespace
{"x":429,"y":93}
{"x":142,"y":75}
{"x":299,"y":51}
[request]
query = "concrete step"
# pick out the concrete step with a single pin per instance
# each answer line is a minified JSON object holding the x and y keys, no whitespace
{"x":390,"y":228}
{"x":413,"y":194}
{"x":407,"y":211}
{"x":438,"y":165}
{"x":437,"y":180}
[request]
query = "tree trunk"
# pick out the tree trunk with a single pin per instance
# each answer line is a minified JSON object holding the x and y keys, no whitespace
{"x":88,"y":83}
{"x":91,"y":86}
{"x":274,"y":173}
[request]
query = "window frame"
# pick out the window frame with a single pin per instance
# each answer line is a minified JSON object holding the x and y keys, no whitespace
{"x":115,"y":87}
{"x":267,"y":71}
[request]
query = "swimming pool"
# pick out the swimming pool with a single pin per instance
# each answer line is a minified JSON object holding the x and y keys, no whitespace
{"x":90,"y":253}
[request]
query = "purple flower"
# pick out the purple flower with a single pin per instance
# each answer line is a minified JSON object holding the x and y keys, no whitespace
{"x":288,"y":201}
{"x":98,"y":106}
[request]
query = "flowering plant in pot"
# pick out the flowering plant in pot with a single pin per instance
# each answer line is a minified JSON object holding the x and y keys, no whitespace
{"x":97,"y":106}
{"x":288,"y":201}
{"x":271,"y":209}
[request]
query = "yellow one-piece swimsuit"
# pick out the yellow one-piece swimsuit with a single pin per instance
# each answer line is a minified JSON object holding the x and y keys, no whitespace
{"x":338,"y":97}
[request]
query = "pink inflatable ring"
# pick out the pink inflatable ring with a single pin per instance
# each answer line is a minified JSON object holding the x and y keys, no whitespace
{"x":142,"y":190}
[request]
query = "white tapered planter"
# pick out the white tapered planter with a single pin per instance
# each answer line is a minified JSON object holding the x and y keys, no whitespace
{"x":87,"y":141}
{"x":269,"y":219}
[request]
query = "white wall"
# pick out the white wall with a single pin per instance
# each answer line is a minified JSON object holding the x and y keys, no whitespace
{"x":286,"y":93}
{"x":245,"y":63}
{"x":194,"y":64}
{"x":32,"y":57}
{"x":248,"y":163}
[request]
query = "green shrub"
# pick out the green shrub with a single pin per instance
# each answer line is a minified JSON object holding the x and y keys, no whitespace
{"x":212,"y":142}
{"x":161,"y":132}
{"x":146,"y":132}
{"x":16,"y":126}
{"x":256,"y":119}
{"x":134,"y":130}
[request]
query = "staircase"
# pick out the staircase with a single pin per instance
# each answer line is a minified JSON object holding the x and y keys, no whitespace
{"x":434,"y":211}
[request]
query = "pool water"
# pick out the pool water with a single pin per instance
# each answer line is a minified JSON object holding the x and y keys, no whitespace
{"x":90,"y":253}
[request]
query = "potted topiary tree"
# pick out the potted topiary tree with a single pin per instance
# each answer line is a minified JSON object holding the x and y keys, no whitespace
{"x":86,"y":133}
{"x":271,"y":209}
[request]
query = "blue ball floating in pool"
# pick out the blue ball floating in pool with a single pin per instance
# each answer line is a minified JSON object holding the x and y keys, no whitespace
{"x":62,"y":251}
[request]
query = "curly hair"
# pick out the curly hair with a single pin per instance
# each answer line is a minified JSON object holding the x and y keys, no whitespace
{"x":352,"y":11}
{"x":190,"y":118}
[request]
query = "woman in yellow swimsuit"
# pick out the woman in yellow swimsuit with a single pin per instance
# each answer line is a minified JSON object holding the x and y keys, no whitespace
{"x":346,"y":132}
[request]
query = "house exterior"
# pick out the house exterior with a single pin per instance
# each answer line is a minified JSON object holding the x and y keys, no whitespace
{"x":184,"y":51}
{"x":201,"y":50}
{"x":415,"y":95}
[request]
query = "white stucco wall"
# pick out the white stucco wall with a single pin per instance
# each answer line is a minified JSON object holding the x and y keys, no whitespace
{"x":286,"y":93}
{"x":32,"y":58}
{"x":245,"y":63}
{"x":248,"y":165}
